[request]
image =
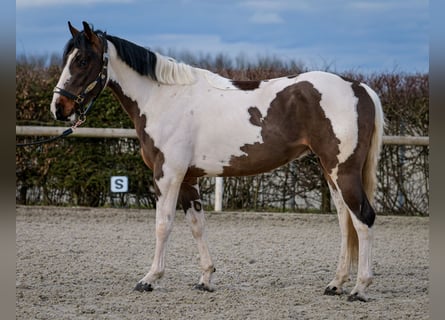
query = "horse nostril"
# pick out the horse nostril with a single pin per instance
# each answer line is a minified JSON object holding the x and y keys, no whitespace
{"x":59,"y":112}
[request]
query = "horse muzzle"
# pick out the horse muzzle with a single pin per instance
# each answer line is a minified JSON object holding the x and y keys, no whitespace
{"x":64,"y":108}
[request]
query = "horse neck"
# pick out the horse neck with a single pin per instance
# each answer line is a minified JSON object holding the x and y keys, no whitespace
{"x":126,"y":83}
{"x":132,"y":88}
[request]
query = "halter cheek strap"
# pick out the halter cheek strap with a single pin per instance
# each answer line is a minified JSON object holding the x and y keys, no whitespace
{"x":79,"y":99}
{"x":101,"y":78}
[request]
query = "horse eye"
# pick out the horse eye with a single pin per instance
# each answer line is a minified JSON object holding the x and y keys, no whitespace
{"x":82,"y":61}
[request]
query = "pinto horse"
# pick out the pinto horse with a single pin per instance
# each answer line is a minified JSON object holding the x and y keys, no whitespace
{"x":193,"y":123}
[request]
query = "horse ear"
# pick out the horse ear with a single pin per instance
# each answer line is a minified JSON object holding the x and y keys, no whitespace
{"x":87,"y":29}
{"x":89,"y":33}
{"x":74,"y":31}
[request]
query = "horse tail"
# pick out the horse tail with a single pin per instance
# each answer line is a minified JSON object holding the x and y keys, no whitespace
{"x":352,"y":244}
{"x":369,"y":174}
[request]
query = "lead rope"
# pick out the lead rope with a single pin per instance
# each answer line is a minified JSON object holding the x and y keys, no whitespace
{"x":67,"y":132}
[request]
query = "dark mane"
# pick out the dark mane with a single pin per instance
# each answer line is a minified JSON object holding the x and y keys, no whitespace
{"x":136,"y":57}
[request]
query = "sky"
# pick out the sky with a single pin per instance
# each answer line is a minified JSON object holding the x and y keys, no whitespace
{"x":343,"y":35}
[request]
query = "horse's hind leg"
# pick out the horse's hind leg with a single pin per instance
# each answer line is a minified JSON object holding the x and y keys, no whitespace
{"x":362,"y":216}
{"x":348,"y":247}
{"x":364,"y":274}
{"x":191,"y":203}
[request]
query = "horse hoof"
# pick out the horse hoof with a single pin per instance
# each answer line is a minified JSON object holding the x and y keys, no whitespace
{"x":332,"y":291}
{"x":357,"y":297}
{"x":203,"y":287}
{"x":141,"y":287}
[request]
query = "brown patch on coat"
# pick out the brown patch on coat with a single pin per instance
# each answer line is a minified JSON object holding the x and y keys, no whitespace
{"x":151,"y":155}
{"x":195,"y":172}
{"x":255,"y":116}
{"x":350,"y":172}
{"x":246,"y":84}
{"x":295,"y":123}
{"x":188,"y":195}
{"x":328,"y":178}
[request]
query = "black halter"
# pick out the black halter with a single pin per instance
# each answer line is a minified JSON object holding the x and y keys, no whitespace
{"x":101,"y":79}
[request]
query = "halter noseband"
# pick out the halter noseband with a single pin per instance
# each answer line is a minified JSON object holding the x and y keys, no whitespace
{"x":101,"y":78}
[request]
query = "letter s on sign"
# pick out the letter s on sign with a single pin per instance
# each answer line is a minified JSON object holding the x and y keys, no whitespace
{"x":119,"y":184}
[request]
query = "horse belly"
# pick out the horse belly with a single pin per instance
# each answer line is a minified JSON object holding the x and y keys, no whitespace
{"x":262,"y":159}
{"x":256,"y":158}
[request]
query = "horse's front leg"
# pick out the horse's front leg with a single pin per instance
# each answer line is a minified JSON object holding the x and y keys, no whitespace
{"x":191,"y":203}
{"x":168,"y":190}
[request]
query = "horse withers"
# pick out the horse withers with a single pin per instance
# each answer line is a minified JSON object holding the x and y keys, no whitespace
{"x":193,"y":123}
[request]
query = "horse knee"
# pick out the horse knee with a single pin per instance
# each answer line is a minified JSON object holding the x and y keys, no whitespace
{"x":196,"y":223}
{"x":197,"y":232}
{"x":163,"y":229}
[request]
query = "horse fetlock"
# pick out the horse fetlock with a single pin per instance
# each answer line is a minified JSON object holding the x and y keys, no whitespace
{"x":206,"y":278}
{"x":358,"y":293}
{"x":335,"y":286}
{"x":147,"y":282}
{"x":153,"y":276}
{"x":366,"y":281}
{"x":211,"y":269}
{"x":362,"y":283}
{"x":357,"y":296}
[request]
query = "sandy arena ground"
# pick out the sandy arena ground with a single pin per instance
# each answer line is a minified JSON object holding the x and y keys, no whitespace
{"x":83,"y":263}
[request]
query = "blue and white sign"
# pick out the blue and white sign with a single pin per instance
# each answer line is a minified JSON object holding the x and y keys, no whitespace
{"x":119,"y":184}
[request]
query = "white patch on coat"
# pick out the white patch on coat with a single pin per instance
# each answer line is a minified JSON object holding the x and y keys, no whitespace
{"x":337,"y":100}
{"x":206,"y":123}
{"x":65,"y":77}
{"x":218,"y":82}
{"x":200,"y":125}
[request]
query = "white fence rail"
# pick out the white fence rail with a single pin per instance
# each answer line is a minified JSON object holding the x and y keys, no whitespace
{"x":131,"y":133}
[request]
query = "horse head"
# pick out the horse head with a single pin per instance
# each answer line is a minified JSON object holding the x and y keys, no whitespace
{"x":84,"y":74}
